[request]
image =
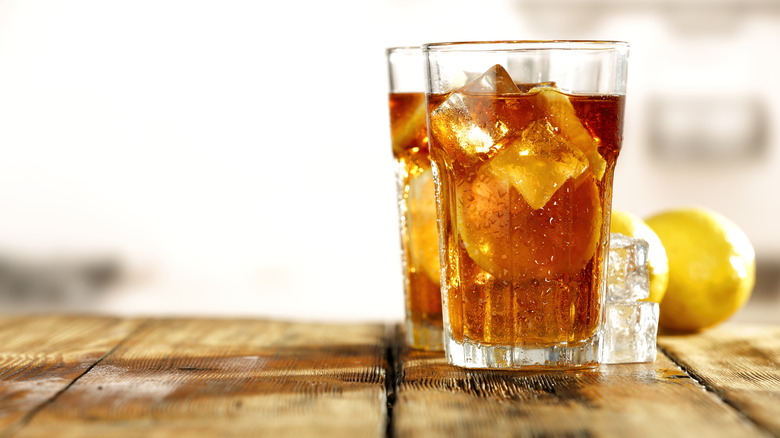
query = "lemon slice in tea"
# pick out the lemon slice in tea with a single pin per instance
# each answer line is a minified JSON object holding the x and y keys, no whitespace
{"x":559,"y":111}
{"x":423,"y":232}
{"x":510,"y":239}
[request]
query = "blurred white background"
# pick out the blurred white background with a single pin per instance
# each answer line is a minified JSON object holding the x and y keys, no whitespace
{"x":232,"y":157}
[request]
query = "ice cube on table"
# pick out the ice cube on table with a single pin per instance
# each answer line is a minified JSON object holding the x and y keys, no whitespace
{"x":630,"y":325}
{"x":627,"y":271}
{"x":630,"y":330}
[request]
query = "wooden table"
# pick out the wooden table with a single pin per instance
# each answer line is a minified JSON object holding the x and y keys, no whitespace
{"x":87,"y":376}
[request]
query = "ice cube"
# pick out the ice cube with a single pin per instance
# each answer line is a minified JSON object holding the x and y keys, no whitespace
{"x":627,"y":271}
{"x":454,"y":126}
{"x":630,"y":330}
{"x":467,"y":125}
{"x":495,"y":80}
{"x":538,"y":163}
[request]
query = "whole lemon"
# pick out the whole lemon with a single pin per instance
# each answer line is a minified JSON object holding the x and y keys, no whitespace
{"x":712,"y":268}
{"x":631,"y":225}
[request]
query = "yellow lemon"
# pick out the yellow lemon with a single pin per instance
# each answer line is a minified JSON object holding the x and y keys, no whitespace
{"x":712,"y":268}
{"x":657,"y":263}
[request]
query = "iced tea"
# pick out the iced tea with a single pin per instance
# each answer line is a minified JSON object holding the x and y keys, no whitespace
{"x":524,"y":172}
{"x":417,"y":211}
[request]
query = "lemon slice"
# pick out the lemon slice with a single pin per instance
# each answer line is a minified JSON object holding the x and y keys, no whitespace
{"x":560,"y":113}
{"x":508,"y":238}
{"x":423,"y":231}
{"x":409,"y":127}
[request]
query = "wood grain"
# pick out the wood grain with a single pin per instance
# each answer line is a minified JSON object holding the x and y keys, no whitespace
{"x":739,"y":363}
{"x":40,"y":356}
{"x":70,"y":376}
{"x":214,"y":377}
{"x":633,"y":400}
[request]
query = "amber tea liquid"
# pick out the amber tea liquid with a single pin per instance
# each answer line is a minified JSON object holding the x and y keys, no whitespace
{"x":537,"y":280}
{"x":417,"y":209}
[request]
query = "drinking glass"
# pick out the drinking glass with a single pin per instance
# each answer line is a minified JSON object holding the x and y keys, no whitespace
{"x":524,"y":137}
{"x":416,"y":204}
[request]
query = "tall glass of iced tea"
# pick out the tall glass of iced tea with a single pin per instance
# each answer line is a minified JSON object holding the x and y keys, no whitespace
{"x":417,"y":207}
{"x":524,"y":136}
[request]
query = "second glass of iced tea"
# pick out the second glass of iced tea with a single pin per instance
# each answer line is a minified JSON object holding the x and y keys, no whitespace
{"x":524,"y":138}
{"x":416,"y":204}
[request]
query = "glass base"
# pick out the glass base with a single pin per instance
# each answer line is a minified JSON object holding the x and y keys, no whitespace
{"x":424,"y":337}
{"x":469,"y":354}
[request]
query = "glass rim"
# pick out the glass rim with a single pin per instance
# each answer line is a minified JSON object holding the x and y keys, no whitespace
{"x":521,"y":45}
{"x":402,"y":49}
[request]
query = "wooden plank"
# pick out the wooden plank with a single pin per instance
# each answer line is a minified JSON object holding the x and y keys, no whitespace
{"x":213,"y":377}
{"x":41,"y":355}
{"x":632,"y":400}
{"x":740,"y":363}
